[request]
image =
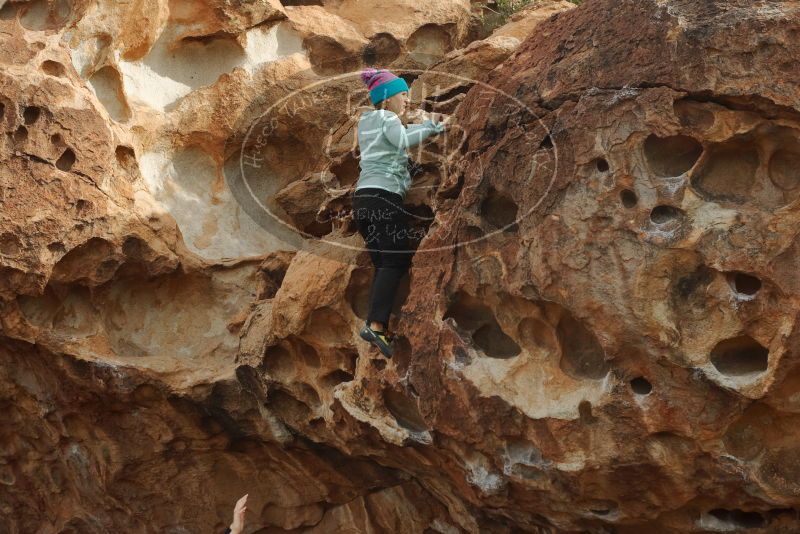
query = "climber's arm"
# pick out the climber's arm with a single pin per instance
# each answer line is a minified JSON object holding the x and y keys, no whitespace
{"x":403,"y":137}
{"x":237,"y":526}
{"x":419,"y":132}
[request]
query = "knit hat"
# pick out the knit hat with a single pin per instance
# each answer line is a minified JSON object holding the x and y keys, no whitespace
{"x":382,"y":84}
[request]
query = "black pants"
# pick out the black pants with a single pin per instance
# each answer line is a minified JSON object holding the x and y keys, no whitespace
{"x":383,"y":223}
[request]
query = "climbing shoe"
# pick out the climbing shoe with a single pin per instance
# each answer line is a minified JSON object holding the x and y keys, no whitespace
{"x":377,"y":338}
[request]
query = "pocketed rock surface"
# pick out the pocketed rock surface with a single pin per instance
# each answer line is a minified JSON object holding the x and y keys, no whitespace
{"x":599,"y":332}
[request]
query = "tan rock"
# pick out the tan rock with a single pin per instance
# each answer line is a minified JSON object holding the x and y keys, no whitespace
{"x":422,"y":32}
{"x":334,"y":44}
{"x":524,"y":22}
{"x":599,"y":331}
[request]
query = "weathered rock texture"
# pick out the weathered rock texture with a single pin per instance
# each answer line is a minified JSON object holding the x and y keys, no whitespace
{"x":599,"y":333}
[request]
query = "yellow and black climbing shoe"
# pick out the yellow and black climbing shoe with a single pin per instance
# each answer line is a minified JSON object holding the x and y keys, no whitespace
{"x":377,"y":338}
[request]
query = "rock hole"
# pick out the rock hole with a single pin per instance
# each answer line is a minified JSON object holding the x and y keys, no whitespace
{"x":347,"y":170}
{"x":328,"y":56}
{"x":31,"y":114}
{"x":287,"y":407}
{"x":784,"y":170}
{"x":380,"y":365}
{"x":66,"y":160}
{"x":641,"y":386}
{"x":107,"y":85}
{"x":582,"y":357}
{"x":499,"y":209}
{"x":664,"y":214}
{"x":738,"y":518}
{"x":82,"y":206}
{"x":404,"y":411}
{"x":382,"y":49}
{"x":278,"y":362}
{"x":671,"y":156}
{"x":42,"y":15}
{"x":743,"y":283}
{"x":34,"y":15}
{"x":494,"y":342}
{"x":335,"y":378}
{"x":628,"y":198}
{"x":56,"y":140}
{"x":461,"y":356}
{"x":317,"y":424}
{"x":446,"y":95}
{"x":308,"y":353}
{"x":319,"y":229}
{"x":522,"y":451}
{"x":133,"y":248}
{"x":10,"y":244}
{"x":9,"y":11}
{"x":740,"y":356}
{"x":85,"y":261}
{"x":308,"y":395}
{"x":126,"y":157}
{"x":357,"y":292}
{"x":409,"y":77}
{"x":20,"y":135}
{"x":57,"y":247}
{"x":429,"y":43}
{"x":547,"y":143}
{"x":54,"y":68}
{"x":729,"y":172}
{"x":2,"y":110}
{"x":175,"y":67}
{"x":585,"y":412}
{"x":477,"y":318}
{"x":601,"y":164}
{"x":468,"y":312}
{"x":273,"y":271}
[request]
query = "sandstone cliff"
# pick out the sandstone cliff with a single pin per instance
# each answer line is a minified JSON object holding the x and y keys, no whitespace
{"x":599,"y":332}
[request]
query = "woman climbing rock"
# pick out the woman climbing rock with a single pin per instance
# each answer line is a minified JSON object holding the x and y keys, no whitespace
{"x":378,"y":198}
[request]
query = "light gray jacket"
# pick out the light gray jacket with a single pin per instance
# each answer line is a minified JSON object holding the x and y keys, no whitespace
{"x":383,"y":140}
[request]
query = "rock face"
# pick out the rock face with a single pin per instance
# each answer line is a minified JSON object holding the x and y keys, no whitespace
{"x":599,"y":332}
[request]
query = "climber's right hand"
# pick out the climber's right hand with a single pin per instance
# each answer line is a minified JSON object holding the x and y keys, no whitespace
{"x":237,"y":526}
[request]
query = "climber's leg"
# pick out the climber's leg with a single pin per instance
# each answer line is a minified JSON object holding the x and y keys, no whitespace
{"x":395,"y":260}
{"x":368,"y":211}
{"x":382,"y":222}
{"x":387,"y":279}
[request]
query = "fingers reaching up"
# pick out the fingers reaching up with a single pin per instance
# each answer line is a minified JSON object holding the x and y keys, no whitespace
{"x":237,"y":526}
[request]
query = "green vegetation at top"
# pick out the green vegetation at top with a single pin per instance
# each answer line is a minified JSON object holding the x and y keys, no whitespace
{"x":498,"y":12}
{"x":506,"y":8}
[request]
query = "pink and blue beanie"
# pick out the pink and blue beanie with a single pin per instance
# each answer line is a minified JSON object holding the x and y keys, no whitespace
{"x":382,"y":84}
